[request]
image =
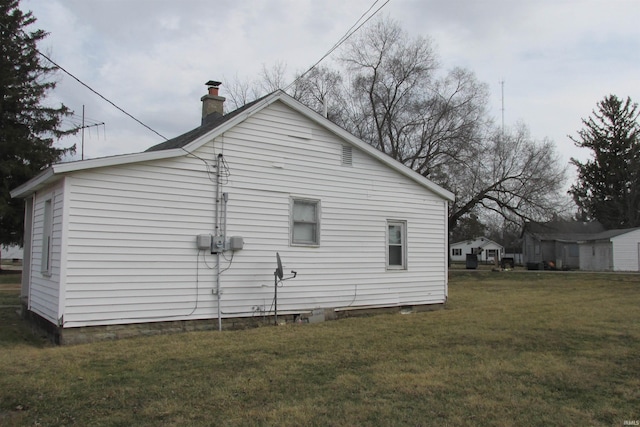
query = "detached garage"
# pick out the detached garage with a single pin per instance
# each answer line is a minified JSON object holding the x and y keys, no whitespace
{"x":612,"y":250}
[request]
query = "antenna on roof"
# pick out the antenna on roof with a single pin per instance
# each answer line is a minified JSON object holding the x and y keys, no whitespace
{"x":502,"y":108}
{"x":82,"y":126}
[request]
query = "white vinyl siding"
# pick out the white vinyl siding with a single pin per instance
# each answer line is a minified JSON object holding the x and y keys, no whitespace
{"x":348,"y":269}
{"x":132,"y":255}
{"x":45,"y":271}
{"x":131,"y":252}
{"x":626,"y":251}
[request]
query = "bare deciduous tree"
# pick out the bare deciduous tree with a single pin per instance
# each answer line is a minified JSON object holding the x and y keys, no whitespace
{"x":391,"y":93}
{"x":322,"y":90}
{"x":240,"y":92}
{"x":512,"y":175}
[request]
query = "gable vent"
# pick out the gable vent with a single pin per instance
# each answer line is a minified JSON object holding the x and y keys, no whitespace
{"x":347,"y":155}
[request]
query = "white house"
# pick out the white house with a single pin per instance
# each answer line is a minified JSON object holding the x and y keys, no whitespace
{"x":189,"y":229}
{"x":612,"y":250}
{"x":486,"y":249}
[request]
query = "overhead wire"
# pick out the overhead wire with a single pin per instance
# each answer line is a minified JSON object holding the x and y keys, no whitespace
{"x":351,"y":31}
{"x":101,"y":96}
{"x":89,"y":87}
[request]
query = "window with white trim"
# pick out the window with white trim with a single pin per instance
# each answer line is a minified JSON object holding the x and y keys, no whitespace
{"x":456,"y":252}
{"x":305,"y":222}
{"x":47,"y":237}
{"x":396,"y":245}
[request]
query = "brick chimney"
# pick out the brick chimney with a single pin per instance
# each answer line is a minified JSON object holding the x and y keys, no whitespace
{"x":212,"y":103}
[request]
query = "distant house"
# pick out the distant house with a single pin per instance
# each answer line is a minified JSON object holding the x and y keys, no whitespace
{"x":189,"y":229}
{"x":583,"y":245}
{"x":486,"y":249}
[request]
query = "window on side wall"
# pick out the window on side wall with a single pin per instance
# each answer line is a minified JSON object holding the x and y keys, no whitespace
{"x":47,"y":237}
{"x":456,"y":252}
{"x":574,"y":250}
{"x":305,"y":222}
{"x":396,"y":245}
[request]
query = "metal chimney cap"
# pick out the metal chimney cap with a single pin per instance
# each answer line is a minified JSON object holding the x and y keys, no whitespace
{"x":213,"y":83}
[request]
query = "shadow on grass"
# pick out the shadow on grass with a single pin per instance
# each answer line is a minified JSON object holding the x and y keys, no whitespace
{"x":14,"y":330}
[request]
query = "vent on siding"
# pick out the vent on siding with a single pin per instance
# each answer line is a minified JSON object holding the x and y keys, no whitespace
{"x":347,"y":155}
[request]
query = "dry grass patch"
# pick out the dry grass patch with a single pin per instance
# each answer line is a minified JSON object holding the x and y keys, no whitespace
{"x":510,"y":349}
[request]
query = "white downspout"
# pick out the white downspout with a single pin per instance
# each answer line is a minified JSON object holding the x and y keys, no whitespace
{"x":447,"y":249}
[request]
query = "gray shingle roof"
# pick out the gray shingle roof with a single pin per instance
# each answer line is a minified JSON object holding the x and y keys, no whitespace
{"x":207,"y":126}
{"x":606,"y":235}
{"x":572,"y":231}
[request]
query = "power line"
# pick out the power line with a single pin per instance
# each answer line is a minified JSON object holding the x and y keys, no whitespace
{"x":100,"y":95}
{"x":344,"y":38}
{"x":87,"y":86}
{"x":351,"y":31}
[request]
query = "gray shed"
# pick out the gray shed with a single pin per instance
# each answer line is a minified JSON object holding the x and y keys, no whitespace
{"x":611,"y":250}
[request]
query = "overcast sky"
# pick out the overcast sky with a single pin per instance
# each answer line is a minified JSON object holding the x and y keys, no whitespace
{"x":557,"y":58}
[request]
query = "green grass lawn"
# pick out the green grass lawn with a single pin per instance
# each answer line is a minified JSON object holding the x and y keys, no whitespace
{"x":512,"y":348}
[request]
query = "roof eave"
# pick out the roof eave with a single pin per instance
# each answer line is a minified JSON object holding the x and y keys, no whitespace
{"x":62,"y":168}
{"x":56,"y":171}
{"x":34,"y":184}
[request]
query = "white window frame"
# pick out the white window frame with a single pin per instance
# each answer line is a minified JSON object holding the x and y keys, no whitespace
{"x":403,"y":244}
{"x":456,"y":251}
{"x":47,"y":237}
{"x":292,"y":223}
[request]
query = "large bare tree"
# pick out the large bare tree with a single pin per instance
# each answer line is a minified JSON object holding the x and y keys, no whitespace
{"x":389,"y":90}
{"x":512,"y":175}
{"x":437,"y":124}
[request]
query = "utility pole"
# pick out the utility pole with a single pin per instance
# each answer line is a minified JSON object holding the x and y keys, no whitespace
{"x":82,"y":151}
{"x":502,"y":108}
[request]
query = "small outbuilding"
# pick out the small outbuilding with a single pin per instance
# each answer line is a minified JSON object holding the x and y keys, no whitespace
{"x":581,"y":245}
{"x":612,"y":250}
{"x":556,"y":242}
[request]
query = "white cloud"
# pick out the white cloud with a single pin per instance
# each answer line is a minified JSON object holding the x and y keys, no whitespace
{"x":558,"y":58}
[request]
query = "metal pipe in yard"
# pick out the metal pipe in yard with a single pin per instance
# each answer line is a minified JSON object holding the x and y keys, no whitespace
{"x":225,"y":200}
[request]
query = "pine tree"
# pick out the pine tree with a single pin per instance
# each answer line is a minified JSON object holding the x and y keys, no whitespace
{"x":608,"y":187}
{"x":28,"y":127}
